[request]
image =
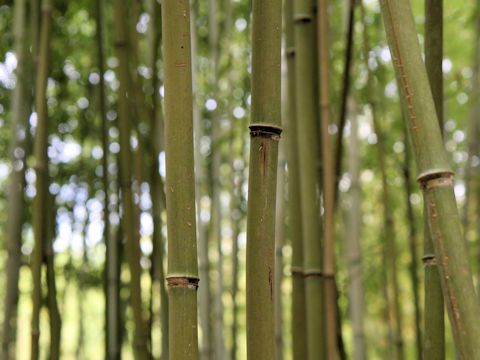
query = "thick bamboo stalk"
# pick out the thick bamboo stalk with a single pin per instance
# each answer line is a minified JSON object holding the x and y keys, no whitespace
{"x":436,"y":177}
{"x":309,"y":148}
{"x":20,"y":105}
{"x":356,"y":292}
{"x":328,"y":173}
{"x":128,"y":212}
{"x":182,"y":275}
{"x":298,"y":329}
{"x":434,"y":347}
{"x":265,"y":133}
{"x":41,"y":170}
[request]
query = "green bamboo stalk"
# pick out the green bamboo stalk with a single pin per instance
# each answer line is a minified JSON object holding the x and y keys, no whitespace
{"x":412,"y":241}
{"x":41,"y":170}
{"x":157,"y":185}
{"x":434,"y":347}
{"x":390,"y":251}
{"x":353,"y":248}
{"x":265,"y":134}
{"x":330,"y":293}
{"x":54,"y":314}
{"x":182,"y":275}
{"x":20,"y":105}
{"x":203,"y":259}
{"x":436,"y":177}
{"x":129,"y":225}
{"x":299,"y":344}
{"x":308,"y":150}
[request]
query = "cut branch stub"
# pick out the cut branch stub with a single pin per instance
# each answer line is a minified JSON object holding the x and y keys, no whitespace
{"x":182,"y":282}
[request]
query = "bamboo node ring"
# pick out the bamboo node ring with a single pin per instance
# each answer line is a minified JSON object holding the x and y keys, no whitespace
{"x":297,"y":271}
{"x":437,"y":178}
{"x":312,"y":273}
{"x":266,"y":130}
{"x":182,"y":282}
{"x":429,"y":260}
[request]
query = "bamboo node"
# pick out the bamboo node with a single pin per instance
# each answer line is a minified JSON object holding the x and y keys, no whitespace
{"x":302,"y":18}
{"x":266,"y":130}
{"x":182,"y":282}
{"x":297,"y":271}
{"x":429,"y":260}
{"x":313,"y":273}
{"x":435,"y":178}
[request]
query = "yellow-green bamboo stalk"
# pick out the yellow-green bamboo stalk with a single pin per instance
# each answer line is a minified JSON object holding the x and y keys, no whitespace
{"x":265,"y":134}
{"x":436,"y":177}
{"x":182,"y":275}
{"x":41,"y":170}
{"x":298,"y":329}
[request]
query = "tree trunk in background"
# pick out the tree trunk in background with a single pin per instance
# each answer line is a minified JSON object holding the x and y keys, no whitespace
{"x":182,"y":278}
{"x":279,"y":240}
{"x":434,"y":342}
{"x":128,"y":212}
{"x":112,"y":307}
{"x":41,"y":170}
{"x":308,"y":150}
{"x":265,"y":134}
{"x":356,"y":293}
{"x":216,"y":213}
{"x":298,"y":329}
{"x":328,"y":173}
{"x":21,"y":107}
{"x":436,"y":177}
{"x":54,"y":314}
{"x":203,"y":259}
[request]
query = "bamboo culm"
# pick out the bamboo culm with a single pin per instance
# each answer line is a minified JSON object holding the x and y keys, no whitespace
{"x":265,"y":134}
{"x":298,"y":330}
{"x":182,"y":277}
{"x":308,"y":155}
{"x":41,"y":170}
{"x":434,"y":323}
{"x":436,"y":177}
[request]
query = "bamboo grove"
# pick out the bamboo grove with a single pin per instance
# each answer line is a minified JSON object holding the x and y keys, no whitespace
{"x":265,"y":179}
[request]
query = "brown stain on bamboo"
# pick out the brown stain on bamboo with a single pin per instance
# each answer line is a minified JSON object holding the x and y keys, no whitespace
{"x":270,"y":282}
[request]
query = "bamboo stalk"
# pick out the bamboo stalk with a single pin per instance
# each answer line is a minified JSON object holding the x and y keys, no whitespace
{"x":330,"y":293}
{"x":265,"y":133}
{"x":299,"y":344}
{"x":41,"y":170}
{"x":21,"y":106}
{"x":436,"y":177}
{"x":182,"y":278}
{"x":309,"y":148}
{"x":129,"y":225}
{"x":434,"y":302}
{"x":203,"y":259}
